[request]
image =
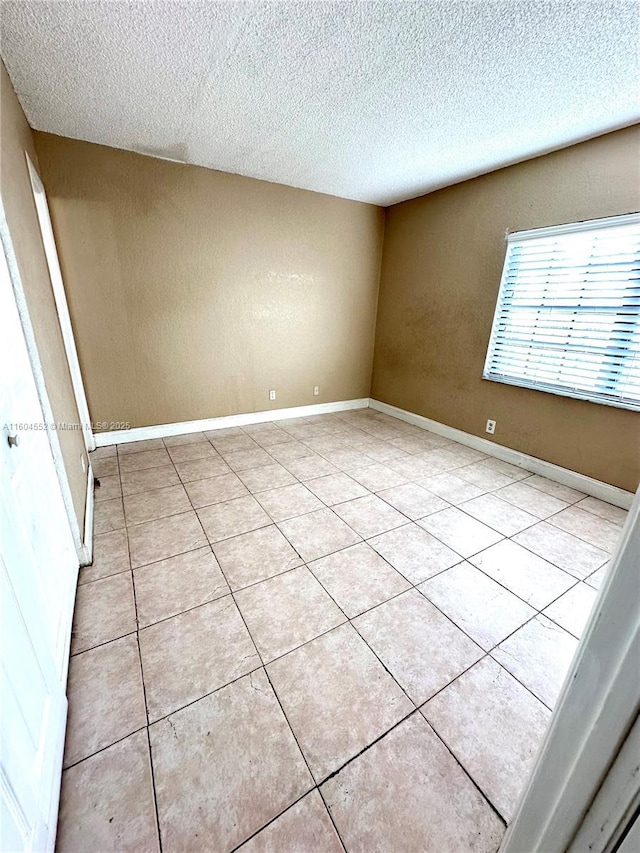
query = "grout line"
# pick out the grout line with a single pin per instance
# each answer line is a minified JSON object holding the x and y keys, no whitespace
{"x":466,"y":773}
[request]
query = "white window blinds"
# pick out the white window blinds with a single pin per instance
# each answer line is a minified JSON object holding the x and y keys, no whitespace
{"x":568,"y":314}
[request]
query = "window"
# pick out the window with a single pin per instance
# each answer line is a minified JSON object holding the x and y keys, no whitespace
{"x":568,"y":314}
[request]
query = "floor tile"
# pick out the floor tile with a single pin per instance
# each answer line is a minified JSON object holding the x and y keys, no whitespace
{"x":224,"y":767}
{"x":110,"y":556}
{"x":156,"y":503}
{"x":291,"y":450}
{"x":538,"y":655}
{"x":337,"y":696}
{"x":318,"y":533}
{"x":369,"y":516}
{"x":436,"y":461}
{"x":135,"y":482}
{"x":212,"y":434}
{"x":378,"y":477}
{"x":105,"y":467}
{"x":226,"y":444}
{"x":286,"y":611}
{"x":572,"y":609}
{"x":288,"y":501}
{"x":104,"y":610}
{"x":450,"y":488}
{"x":214,"y":490}
{"x":106,"y":698}
{"x":530,"y":577}
{"x":460,"y":454}
{"x":241,"y":460}
{"x":596,"y":578}
{"x":136,"y":446}
{"x":176,"y":584}
{"x":107,"y":802}
{"x":202,"y":469}
{"x":268,"y":439}
{"x":357,"y":578}
{"x":487,"y":478}
{"x":231,"y":518}
{"x":165,"y":537}
{"x":562,"y":549}
{"x":194,"y":653}
{"x":347,"y":458}
{"x":195,"y":450}
{"x":108,"y":515}
{"x":304,"y":828}
{"x":144,"y":459}
{"x":185,"y":438}
{"x":530,"y":499}
{"x":499,"y":515}
{"x":412,"y":500}
{"x":591,"y":528}
{"x":408,"y":793}
{"x":263,"y":430}
{"x":103,"y":453}
{"x":459,"y":531}
{"x":412,"y":444}
{"x":419,"y":466}
{"x":336,"y":488}
{"x":494,"y":727}
{"x":255,"y":556}
{"x":419,"y":646}
{"x":109,"y":488}
{"x":380,"y":451}
{"x":415,"y":553}
{"x":266,"y":477}
{"x":309,"y":467}
{"x":482,"y":608}
{"x":603,"y":510}
{"x":557,"y":490}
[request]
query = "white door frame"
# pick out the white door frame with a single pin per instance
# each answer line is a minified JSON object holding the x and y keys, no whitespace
{"x":596,"y":710}
{"x":55,"y":274}
{"x":83,"y":539}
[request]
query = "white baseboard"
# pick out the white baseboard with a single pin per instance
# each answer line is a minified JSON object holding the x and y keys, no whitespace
{"x":86,"y":551}
{"x":165,"y":430}
{"x":596,"y":488}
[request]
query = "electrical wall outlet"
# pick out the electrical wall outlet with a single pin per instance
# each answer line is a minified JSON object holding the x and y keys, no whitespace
{"x":490,"y":427}
{"x":316,"y":390}
{"x":272,"y":395}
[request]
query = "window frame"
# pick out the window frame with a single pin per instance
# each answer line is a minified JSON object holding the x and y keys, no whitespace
{"x":554,"y":231}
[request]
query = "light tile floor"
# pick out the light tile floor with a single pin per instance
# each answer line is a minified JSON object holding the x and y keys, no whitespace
{"x":316,"y":634}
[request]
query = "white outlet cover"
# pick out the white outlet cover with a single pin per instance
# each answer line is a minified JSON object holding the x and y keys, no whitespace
{"x":272,"y":395}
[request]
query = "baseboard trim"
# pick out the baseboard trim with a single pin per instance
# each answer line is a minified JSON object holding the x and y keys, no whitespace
{"x":86,"y":551}
{"x":596,"y":488}
{"x":165,"y":430}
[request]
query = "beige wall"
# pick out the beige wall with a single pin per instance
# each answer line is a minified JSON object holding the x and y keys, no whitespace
{"x":194,"y":292}
{"x":20,"y":211}
{"x":441,"y":269}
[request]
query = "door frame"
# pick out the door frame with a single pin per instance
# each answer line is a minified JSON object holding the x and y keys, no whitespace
{"x":82,"y":538}
{"x":60,"y":297}
{"x":594,"y":715}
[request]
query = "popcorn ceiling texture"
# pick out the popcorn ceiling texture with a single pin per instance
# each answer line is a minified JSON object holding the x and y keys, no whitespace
{"x":375,"y":101}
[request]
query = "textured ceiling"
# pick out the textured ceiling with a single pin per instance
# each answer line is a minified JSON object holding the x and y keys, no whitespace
{"x":376,"y":101}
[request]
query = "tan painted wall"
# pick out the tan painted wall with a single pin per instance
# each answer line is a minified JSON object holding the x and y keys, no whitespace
{"x":441,"y":269}
{"x":194,"y":292}
{"x":20,"y":211}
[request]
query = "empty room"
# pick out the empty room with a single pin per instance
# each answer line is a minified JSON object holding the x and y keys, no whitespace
{"x":320,"y":389}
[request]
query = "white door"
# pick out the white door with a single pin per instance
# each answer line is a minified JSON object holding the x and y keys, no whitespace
{"x":38,"y":572}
